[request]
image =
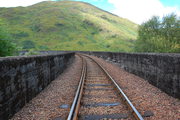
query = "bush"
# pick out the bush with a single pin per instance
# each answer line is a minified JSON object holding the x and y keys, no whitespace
{"x":81,"y":43}
{"x":31,"y":52}
{"x":21,"y":34}
{"x":43,"y":47}
{"x":158,"y":35}
{"x":28,"y":44}
{"x":7,"y":48}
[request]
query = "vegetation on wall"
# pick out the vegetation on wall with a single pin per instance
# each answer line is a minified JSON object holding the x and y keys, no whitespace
{"x":158,"y":35}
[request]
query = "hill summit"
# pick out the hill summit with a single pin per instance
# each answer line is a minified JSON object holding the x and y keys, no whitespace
{"x":69,"y":25}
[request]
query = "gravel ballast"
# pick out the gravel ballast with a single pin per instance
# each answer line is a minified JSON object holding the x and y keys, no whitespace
{"x":149,"y":100}
{"x":102,"y":105}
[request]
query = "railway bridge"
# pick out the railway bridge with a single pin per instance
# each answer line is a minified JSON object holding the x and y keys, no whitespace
{"x":90,"y":86}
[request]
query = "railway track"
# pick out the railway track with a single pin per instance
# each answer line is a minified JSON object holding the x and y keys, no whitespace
{"x":99,"y":97}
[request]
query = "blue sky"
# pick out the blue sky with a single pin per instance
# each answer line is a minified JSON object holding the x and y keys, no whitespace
{"x":171,"y":2}
{"x":137,"y":11}
{"x":104,"y":4}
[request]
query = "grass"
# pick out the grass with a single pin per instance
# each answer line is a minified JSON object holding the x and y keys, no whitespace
{"x":68,"y":25}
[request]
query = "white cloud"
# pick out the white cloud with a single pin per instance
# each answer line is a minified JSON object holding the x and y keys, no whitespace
{"x":141,"y":10}
{"x":14,"y":3}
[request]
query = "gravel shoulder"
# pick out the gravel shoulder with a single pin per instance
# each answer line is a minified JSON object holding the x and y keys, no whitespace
{"x":148,"y":100}
{"x":59,"y":93}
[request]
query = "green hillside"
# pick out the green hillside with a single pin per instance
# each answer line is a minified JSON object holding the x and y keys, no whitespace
{"x":69,"y":25}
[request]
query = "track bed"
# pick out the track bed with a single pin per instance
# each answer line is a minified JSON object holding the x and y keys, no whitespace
{"x":98,"y":97}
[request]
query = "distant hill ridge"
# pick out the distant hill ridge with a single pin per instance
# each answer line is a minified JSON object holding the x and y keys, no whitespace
{"x":69,"y":25}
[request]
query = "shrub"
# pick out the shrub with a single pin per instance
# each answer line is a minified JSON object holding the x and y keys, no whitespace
{"x":28,"y":44}
{"x":7,"y":48}
{"x":158,"y":35}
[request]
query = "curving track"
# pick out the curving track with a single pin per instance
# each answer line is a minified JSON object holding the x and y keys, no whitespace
{"x":99,"y":97}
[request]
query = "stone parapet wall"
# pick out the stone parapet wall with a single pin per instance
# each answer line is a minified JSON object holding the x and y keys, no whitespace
{"x":22,"y":78}
{"x":159,"y":69}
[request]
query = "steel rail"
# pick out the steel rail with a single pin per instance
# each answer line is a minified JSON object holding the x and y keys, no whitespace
{"x":76,"y":102}
{"x":136,"y":114}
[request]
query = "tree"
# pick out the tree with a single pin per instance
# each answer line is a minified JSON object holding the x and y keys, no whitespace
{"x":158,"y":35}
{"x":171,"y":31}
{"x":7,"y":48}
{"x":147,"y":32}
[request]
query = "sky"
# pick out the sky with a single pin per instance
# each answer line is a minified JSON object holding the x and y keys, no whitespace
{"x":137,"y":11}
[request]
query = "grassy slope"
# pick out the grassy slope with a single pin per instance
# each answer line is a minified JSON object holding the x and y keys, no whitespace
{"x":70,"y":25}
